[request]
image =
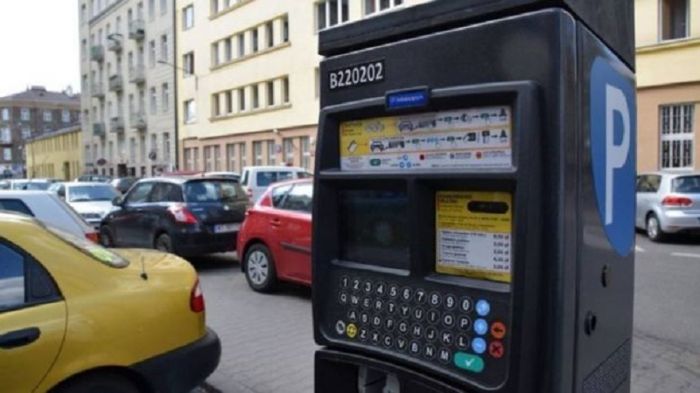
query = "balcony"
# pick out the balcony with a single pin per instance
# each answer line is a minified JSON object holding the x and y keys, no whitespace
{"x":116,"y":83}
{"x":138,"y":121}
{"x":137,"y":74}
{"x":98,"y":129}
{"x":97,"y":91}
{"x":97,"y":53}
{"x":137,"y":29}
{"x":116,"y":124}
{"x":114,"y":44}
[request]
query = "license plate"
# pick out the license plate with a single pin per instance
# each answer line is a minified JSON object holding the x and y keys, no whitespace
{"x":226,"y":228}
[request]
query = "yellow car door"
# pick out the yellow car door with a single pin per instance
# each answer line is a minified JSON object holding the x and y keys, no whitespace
{"x":32,"y":320}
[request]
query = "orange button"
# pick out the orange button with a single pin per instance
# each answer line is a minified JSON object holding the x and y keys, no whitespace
{"x":496,"y":349}
{"x":498,"y":330}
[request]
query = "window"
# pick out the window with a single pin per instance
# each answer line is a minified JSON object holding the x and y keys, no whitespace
{"x":188,"y":158}
{"x":648,"y":183}
{"x":285,"y":90}
{"x":299,"y":198}
{"x":305,"y":152}
{"x":190,"y":111}
{"x":217,"y":157}
{"x":374,"y":6}
{"x":228,"y":52}
{"x":241,"y":99}
{"x":164,"y":47}
{"x":15,"y":205}
{"x":65,"y":116}
{"x":271,"y":153}
{"x":152,"y":53}
{"x":5,"y":114}
{"x":330,"y":13}
{"x":5,"y":135}
{"x":208,"y":157}
{"x":188,"y":17}
{"x":269,"y":34}
{"x":166,"y":147}
{"x":278,"y":195}
{"x":215,"y":56}
{"x":255,"y":98}
{"x":166,"y":192}
{"x":26,"y":132}
{"x":229,"y":101}
{"x":242,"y":158}
{"x":83,"y":13}
{"x":285,"y":29}
{"x":163,"y":7}
{"x":48,"y":116}
{"x":12,"y":287}
{"x":254,"y":40}
{"x":288,"y":149}
{"x":25,"y":114}
{"x":317,"y":82}
{"x":686,"y":184}
{"x":7,"y":154}
{"x":677,"y":136}
{"x":188,"y":63}
{"x":153,"y":101}
{"x":132,"y":150}
{"x":674,"y":19}
{"x":139,"y":194}
{"x":257,"y":153}
{"x":270,"y":87}
{"x":240,"y":39}
{"x":231,"y":157}
{"x":165,"y":96}
{"x":151,"y":10}
{"x":195,"y":158}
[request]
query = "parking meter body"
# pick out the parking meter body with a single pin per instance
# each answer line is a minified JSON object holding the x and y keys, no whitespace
{"x":474,"y":199}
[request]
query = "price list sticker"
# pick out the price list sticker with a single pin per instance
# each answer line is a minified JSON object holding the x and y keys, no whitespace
{"x":473,"y":234}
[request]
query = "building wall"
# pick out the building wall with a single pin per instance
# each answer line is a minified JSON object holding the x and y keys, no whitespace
{"x":667,"y":74}
{"x":295,"y":60}
{"x":56,"y":156}
{"x":137,"y":149}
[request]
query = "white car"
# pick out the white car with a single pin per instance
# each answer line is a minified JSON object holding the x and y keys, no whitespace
{"x":49,"y":209}
{"x":93,"y":201}
{"x":256,"y":179}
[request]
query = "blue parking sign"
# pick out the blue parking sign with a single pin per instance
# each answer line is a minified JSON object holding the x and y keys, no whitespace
{"x":613,"y":150}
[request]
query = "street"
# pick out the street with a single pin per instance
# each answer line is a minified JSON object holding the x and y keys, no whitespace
{"x":268,"y":342}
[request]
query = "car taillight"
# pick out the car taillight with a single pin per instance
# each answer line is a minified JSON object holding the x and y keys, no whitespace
{"x":181,"y":214}
{"x":93,"y":237}
{"x":197,"y":298}
{"x":674,"y":200}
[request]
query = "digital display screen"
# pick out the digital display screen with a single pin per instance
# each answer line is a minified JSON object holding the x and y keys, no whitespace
{"x":374,"y":228}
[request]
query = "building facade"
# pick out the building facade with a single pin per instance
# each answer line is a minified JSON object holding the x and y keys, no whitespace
{"x":29,"y":114}
{"x":127,"y":70}
{"x":56,"y":155}
{"x":668,"y":84}
{"x":248,"y":79}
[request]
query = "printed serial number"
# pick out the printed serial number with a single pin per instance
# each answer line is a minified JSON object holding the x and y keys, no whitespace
{"x":357,"y":75}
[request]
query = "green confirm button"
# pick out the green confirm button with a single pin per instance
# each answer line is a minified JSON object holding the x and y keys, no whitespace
{"x":469,"y":362}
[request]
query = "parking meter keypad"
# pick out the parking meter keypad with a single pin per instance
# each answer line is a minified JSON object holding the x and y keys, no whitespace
{"x":462,"y":333}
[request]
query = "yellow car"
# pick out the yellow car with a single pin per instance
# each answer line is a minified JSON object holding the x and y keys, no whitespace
{"x":75,"y":317}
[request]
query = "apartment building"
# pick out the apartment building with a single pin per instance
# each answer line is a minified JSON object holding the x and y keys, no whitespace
{"x":29,"y":114}
{"x":127,"y":68}
{"x":56,"y":155}
{"x":248,"y":80}
{"x":668,"y":83}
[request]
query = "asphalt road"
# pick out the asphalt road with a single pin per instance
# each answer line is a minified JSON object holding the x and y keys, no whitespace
{"x":268,"y":343}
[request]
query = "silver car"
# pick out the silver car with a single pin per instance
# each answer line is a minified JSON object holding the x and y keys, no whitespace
{"x":668,"y":202}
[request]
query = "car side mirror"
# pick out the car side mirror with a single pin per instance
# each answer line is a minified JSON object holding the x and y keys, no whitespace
{"x":117,"y":201}
{"x":61,"y":193}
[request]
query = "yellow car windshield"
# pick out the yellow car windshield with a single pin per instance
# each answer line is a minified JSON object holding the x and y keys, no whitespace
{"x":91,"y":249}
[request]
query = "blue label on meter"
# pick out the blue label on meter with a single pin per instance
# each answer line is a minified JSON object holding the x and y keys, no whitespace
{"x":407,"y":99}
{"x":613,"y":144}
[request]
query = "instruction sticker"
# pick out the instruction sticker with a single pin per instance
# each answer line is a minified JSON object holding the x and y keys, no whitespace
{"x":473,"y":234}
{"x":455,"y":139}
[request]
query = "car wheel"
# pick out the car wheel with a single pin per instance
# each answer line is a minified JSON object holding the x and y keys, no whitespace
{"x":654,"y":231}
{"x":106,"y":238}
{"x":164,"y":243}
{"x":100,"y":383}
{"x":260,"y":269}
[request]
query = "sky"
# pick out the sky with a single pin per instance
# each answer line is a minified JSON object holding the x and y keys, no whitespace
{"x":39,"y":45}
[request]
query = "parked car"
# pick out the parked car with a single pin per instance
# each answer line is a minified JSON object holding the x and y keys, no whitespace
{"x":94,"y":178}
{"x":31,"y":184}
{"x":256,"y":179}
{"x":91,"y":200}
{"x":668,"y":202}
{"x":122,"y":184}
{"x":49,"y":209}
{"x":228,"y":175}
{"x":275,"y":240}
{"x":76,"y":317}
{"x":185,"y":216}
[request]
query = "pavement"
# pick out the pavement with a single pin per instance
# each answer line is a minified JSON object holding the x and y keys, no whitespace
{"x":268,"y":341}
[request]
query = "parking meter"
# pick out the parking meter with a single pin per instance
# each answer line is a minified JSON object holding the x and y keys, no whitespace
{"x":474,"y":199}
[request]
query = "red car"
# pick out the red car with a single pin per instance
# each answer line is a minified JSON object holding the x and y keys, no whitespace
{"x":274,"y":242}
